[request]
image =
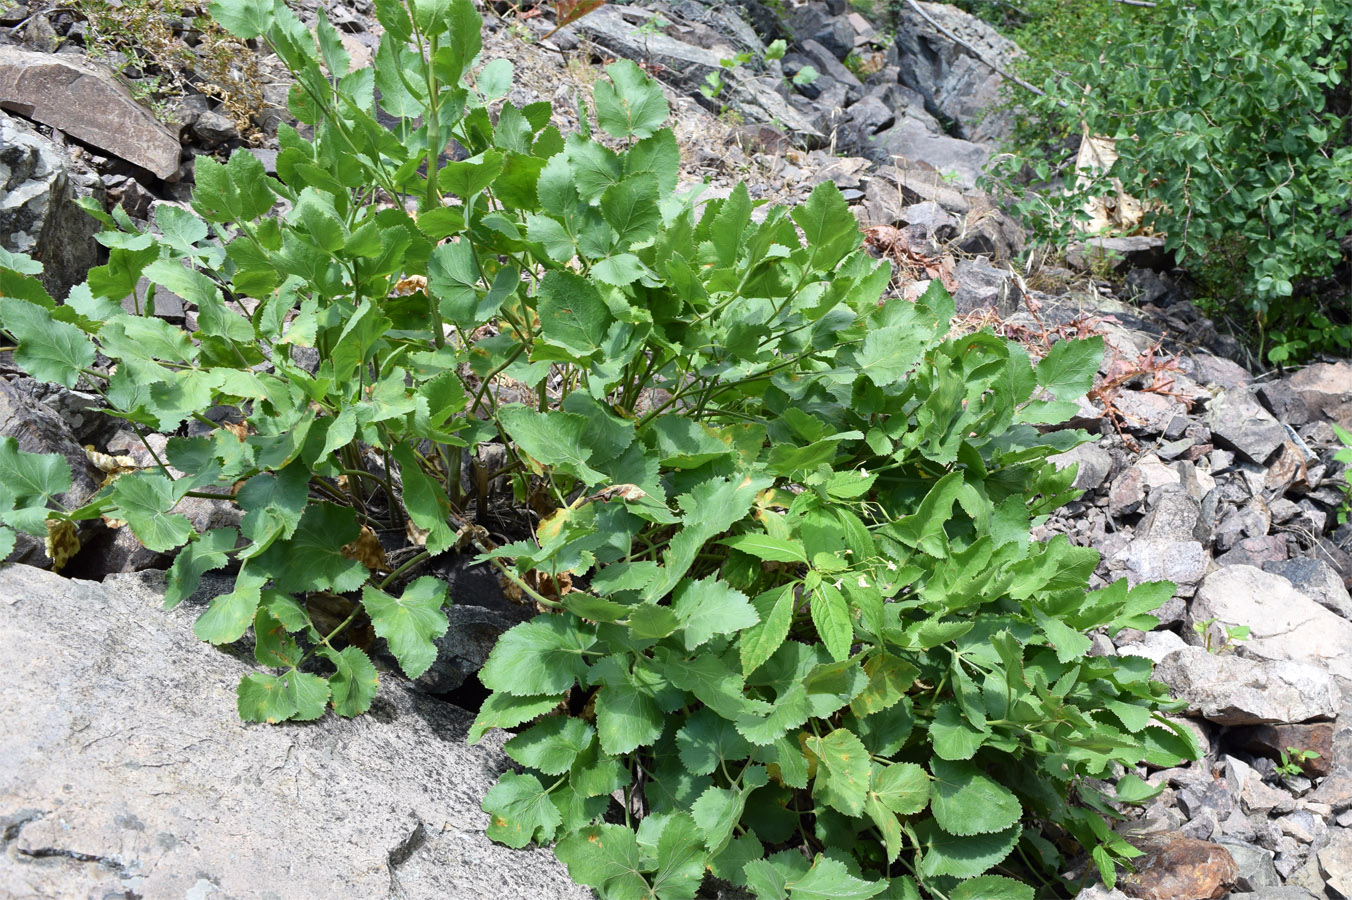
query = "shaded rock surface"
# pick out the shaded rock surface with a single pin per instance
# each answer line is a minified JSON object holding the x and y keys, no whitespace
{"x":134,"y":776}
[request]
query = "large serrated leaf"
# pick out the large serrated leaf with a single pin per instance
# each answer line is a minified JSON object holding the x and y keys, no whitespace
{"x":518,"y":806}
{"x":542,"y":656}
{"x":843,"y":770}
{"x":48,"y":350}
{"x":410,"y":622}
{"x":631,"y":104}
{"x":967,"y":801}
{"x":605,"y":857}
{"x":962,"y":856}
{"x":353,"y":686}
{"x":708,"y":607}
{"x":505,"y":711}
{"x":551,"y":745}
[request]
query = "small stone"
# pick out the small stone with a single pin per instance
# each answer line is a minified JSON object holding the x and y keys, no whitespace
{"x":1239,"y":422}
{"x":1175,"y":867}
{"x":1094,"y":463}
{"x":1254,"y":866}
{"x":1335,"y":864}
{"x":1255,"y":551}
{"x":213,"y":129}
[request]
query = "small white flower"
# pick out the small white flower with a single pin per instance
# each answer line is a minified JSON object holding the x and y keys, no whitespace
{"x":863,"y":473}
{"x":891,"y":566}
{"x":838,"y":583}
{"x":863,"y":582}
{"x":849,"y":553}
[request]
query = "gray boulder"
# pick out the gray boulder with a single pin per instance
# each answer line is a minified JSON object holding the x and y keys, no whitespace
{"x":87,"y":103}
{"x":1239,"y":422}
{"x":39,"y":184}
{"x":132,"y":775}
{"x":957,"y":86}
{"x":1231,"y":690}
{"x":1283,"y":623}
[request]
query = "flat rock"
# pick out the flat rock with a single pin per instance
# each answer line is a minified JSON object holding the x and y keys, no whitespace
{"x":1239,"y":422}
{"x":1231,"y":690}
{"x":1335,"y":863}
{"x":1094,"y":463}
{"x":87,"y":103}
{"x":133,"y":775}
{"x":1146,"y":559}
{"x":1176,"y":867}
{"x":1317,"y":580}
{"x":1283,"y":623}
{"x":1326,"y":391}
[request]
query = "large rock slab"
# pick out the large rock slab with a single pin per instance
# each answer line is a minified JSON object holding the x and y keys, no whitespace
{"x":956,"y":84}
{"x":86,"y":103}
{"x":39,"y":184}
{"x":124,"y":770}
{"x":1239,"y":422}
{"x":1231,"y":690}
{"x":1283,"y":623}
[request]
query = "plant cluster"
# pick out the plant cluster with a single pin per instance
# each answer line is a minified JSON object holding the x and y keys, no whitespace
{"x":793,"y":628}
{"x":1231,"y":122}
{"x":142,"y":40}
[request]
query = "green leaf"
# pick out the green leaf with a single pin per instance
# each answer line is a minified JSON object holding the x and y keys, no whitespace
{"x":48,"y":350}
{"x":831,"y":617}
{"x":573,"y":317}
{"x":605,"y":857}
{"x":889,"y":678}
{"x":707,"y":741}
{"x":757,"y":643}
{"x":843,"y":771}
{"x":409,"y":623}
{"x":1068,"y":369}
{"x":762,"y":546}
{"x":453,"y":278}
{"x":1131,"y":788}
{"x":631,"y":104}
{"x":552,"y":745}
{"x":887,"y":354}
{"x":631,"y":208}
{"x":828,"y":225}
{"x":229,"y":615}
{"x":628,"y":715}
{"x":794,"y":878}
{"x":30,"y":480}
{"x":555,"y":439}
{"x":312,"y":559}
{"x":712,"y":682}
{"x":967,"y":801}
{"x":962,"y":856}
{"x":708,"y":607}
{"x":518,"y":807}
{"x":542,"y":656}
{"x":354,"y":684}
{"x":470,"y":176}
{"x":264,"y":698}
{"x":425,"y":500}
{"x":505,"y":711}
{"x":1069,"y":643}
{"x":681,"y":859}
{"x":708,"y":510}
{"x":992,"y":887}
{"x":903,"y":788}
{"x":953,"y":737}
{"x":245,"y":19}
{"x":144,"y":499}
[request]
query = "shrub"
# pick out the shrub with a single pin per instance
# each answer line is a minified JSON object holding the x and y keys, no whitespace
{"x":777,"y":526}
{"x":1232,"y":123}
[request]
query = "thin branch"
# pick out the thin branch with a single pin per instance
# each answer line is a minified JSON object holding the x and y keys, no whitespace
{"x":972,"y":50}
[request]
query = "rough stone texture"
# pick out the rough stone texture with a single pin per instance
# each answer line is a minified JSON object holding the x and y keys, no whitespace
{"x":39,"y":184}
{"x":1272,"y":740}
{"x":1176,"y":867}
{"x":1239,"y":422}
{"x":959,"y":162}
{"x":1174,"y":516}
{"x":1283,"y":623}
{"x":132,"y":773}
{"x":1317,"y":580}
{"x":463,"y":649}
{"x":1326,"y":390}
{"x":1335,"y":863}
{"x":1144,"y":559}
{"x":88,"y":104}
{"x":956,"y":85}
{"x":1230,"y":690}
{"x":1254,"y":865}
{"x":1121,"y":253}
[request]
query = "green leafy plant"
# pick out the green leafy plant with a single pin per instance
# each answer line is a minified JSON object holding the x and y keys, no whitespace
{"x":1233,"y":634}
{"x":778,"y":527}
{"x":1231,"y":122}
{"x":1293,"y":761}
{"x":806,"y":75}
{"x":1344,"y":455}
